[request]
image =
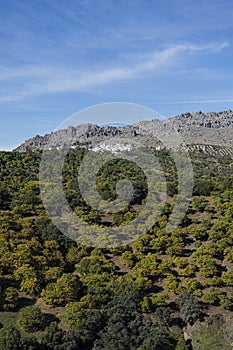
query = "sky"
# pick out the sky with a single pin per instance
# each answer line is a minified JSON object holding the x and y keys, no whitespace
{"x":58,"y":57}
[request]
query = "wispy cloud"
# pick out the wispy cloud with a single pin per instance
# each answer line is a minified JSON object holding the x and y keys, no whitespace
{"x":216,"y":47}
{"x":37,"y":79}
{"x":229,"y":100}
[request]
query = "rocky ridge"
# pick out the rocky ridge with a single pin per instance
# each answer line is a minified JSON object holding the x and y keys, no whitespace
{"x":202,"y":132}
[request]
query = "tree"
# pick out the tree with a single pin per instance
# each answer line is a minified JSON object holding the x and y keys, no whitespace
{"x":11,"y":298}
{"x":165,"y":266}
{"x":53,"y":254}
{"x":75,"y":309}
{"x":30,"y":343}
{"x":199,"y":203}
{"x":95,"y":263}
{"x":190,"y":309}
{"x":225,"y":302}
{"x":180,"y":262}
{"x":5,"y":197}
{"x":10,"y":338}
{"x":175,"y":247}
{"x":157,"y":339}
{"x":143,"y":283}
{"x":128,"y":258}
{"x":212,"y":296}
{"x":65,"y":290}
{"x":160,"y":243}
{"x":31,"y":319}
{"x":124,"y":324}
{"x":29,"y":196}
{"x":55,"y":338}
{"x":227,"y":277}
{"x":88,"y":325}
{"x":172,"y":284}
{"x":147,"y":266}
{"x":187,"y":271}
{"x":208,"y":270}
{"x":219,"y":230}
{"x":91,"y":216}
{"x":152,"y":302}
{"x":52,"y":274}
{"x":191,"y":284}
{"x":228,"y":254}
{"x":75,"y":254}
{"x":199,"y":232}
{"x":30,"y":281}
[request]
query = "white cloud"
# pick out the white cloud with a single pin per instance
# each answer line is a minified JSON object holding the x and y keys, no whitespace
{"x":38,"y":79}
{"x":214,"y":47}
{"x":200,"y":101}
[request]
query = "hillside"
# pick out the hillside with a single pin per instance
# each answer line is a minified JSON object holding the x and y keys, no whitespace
{"x":166,"y":290}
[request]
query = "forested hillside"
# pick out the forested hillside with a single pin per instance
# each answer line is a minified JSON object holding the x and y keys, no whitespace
{"x":168,"y":291}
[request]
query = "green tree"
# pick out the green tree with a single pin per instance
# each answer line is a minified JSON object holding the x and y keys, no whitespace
{"x":10,"y":338}
{"x":190,"y":309}
{"x":66,"y":289}
{"x":31,"y":319}
{"x":52,"y":274}
{"x":30,"y":281}
{"x":172,"y":284}
{"x":227,"y":277}
{"x":11,"y":298}
{"x":191,"y":284}
{"x":128,"y":258}
{"x":88,"y":325}
{"x":95,"y":263}
{"x":225,"y":302}
{"x":199,"y":203}
{"x":75,"y":309}
{"x":55,"y":338}
{"x":212,"y":296}
{"x":147,"y":266}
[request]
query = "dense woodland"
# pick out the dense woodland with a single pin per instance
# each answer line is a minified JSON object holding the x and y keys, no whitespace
{"x":57,"y":294}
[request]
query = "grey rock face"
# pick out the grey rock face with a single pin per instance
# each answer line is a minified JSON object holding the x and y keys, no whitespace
{"x":197,"y":130}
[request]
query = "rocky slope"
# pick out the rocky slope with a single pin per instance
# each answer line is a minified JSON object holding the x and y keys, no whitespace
{"x":209,"y":133}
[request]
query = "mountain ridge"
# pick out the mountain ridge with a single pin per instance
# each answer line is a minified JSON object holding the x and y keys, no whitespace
{"x":196,"y":129}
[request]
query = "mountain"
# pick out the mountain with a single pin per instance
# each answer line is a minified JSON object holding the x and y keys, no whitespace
{"x":203,"y":132}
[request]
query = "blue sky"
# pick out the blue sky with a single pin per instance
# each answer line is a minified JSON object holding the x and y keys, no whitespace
{"x":57,"y":57}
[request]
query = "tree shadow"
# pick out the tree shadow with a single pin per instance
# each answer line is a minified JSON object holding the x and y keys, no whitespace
{"x":23,"y":302}
{"x":49,"y":318}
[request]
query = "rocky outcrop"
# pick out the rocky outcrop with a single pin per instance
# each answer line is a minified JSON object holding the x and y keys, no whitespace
{"x":209,"y":133}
